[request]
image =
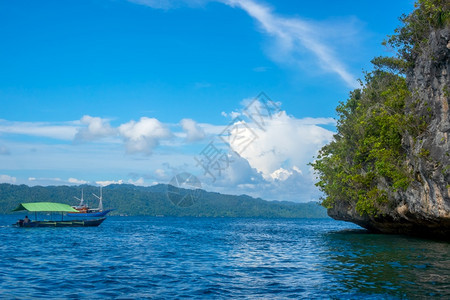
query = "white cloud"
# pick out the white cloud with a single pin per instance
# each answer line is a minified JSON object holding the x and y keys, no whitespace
{"x":170,"y":4}
{"x":7,"y":179}
{"x":160,"y":174}
{"x":273,"y":156}
{"x":96,"y":128}
{"x":108,"y":182}
{"x":240,"y":178}
{"x":272,"y":166}
{"x":143,"y":136}
{"x":158,"y":4}
{"x":237,"y":171}
{"x":138,"y":182}
{"x":77,"y":181}
{"x":284,"y":142}
{"x":193,"y":131}
{"x":45,"y":181}
{"x":232,"y":115}
{"x":63,"y":131}
{"x":281,"y":174}
{"x":292,"y":36}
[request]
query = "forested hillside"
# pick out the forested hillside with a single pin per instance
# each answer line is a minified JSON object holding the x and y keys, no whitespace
{"x":156,"y":201}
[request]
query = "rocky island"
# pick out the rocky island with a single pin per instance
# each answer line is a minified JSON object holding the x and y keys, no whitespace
{"x":388,"y":168}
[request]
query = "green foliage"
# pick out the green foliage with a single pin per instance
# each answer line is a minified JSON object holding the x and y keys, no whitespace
{"x":367,"y":146}
{"x":424,"y":153}
{"x":367,"y":150}
{"x":412,"y":36}
{"x":153,"y":201}
{"x":390,"y":64}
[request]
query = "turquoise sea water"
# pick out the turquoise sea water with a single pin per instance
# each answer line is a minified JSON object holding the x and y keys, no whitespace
{"x":164,"y":258}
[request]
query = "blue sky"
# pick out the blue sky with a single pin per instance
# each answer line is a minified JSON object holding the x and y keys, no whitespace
{"x":102,"y":91}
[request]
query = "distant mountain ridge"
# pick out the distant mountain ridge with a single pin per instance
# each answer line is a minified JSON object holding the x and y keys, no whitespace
{"x":155,"y":200}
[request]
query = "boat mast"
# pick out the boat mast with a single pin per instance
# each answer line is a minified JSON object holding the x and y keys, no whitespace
{"x":81,"y":200}
{"x":100,"y":204}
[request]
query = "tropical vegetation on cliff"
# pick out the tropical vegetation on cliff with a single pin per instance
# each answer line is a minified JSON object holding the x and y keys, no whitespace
{"x":366,"y":163}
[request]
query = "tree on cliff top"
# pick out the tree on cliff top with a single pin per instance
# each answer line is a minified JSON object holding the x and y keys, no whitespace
{"x":412,"y":36}
{"x":366,"y":163}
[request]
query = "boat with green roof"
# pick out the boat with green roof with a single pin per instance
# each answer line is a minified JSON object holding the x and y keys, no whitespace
{"x":53,"y":207}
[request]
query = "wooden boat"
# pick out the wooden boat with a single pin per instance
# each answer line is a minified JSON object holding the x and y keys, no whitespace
{"x":53,"y":207}
{"x":83,"y":210}
{"x":89,"y":214}
{"x":74,"y":223}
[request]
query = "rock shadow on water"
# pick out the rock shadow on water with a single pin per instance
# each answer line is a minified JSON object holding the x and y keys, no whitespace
{"x":398,"y":266}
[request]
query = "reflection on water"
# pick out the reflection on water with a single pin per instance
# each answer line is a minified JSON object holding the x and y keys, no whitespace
{"x":139,"y":257}
{"x":397,"y":265}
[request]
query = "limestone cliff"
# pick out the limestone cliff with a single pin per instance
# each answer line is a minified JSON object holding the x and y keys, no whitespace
{"x":424,"y":207}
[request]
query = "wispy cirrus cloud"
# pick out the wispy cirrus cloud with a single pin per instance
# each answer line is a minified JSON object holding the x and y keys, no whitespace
{"x":170,"y":4}
{"x":62,"y":131}
{"x":293,"y":36}
{"x":295,"y":39}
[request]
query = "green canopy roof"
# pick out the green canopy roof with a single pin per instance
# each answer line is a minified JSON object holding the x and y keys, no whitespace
{"x":45,"y":206}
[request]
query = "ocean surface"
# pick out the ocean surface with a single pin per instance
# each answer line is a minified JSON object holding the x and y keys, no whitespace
{"x":220,"y":258}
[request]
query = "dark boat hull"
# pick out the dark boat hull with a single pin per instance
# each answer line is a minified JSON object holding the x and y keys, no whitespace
{"x":89,"y":215}
{"x":74,"y":223}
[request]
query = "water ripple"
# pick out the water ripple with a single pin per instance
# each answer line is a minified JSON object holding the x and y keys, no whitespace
{"x":161,"y":258}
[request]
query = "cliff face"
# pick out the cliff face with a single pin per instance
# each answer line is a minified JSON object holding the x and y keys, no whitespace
{"x":424,"y":208}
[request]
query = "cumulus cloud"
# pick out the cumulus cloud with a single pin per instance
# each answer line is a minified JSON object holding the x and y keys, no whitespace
{"x":143,"y":136}
{"x":282,"y":174}
{"x":7,"y":179}
{"x":93,"y":128}
{"x":108,"y":182}
{"x":193,"y":131}
{"x":283,"y":184}
{"x":237,"y":171}
{"x":138,"y":182}
{"x":77,"y":181}
{"x":287,"y":184}
{"x":297,"y":187}
{"x":284,"y":142}
{"x":272,"y":152}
